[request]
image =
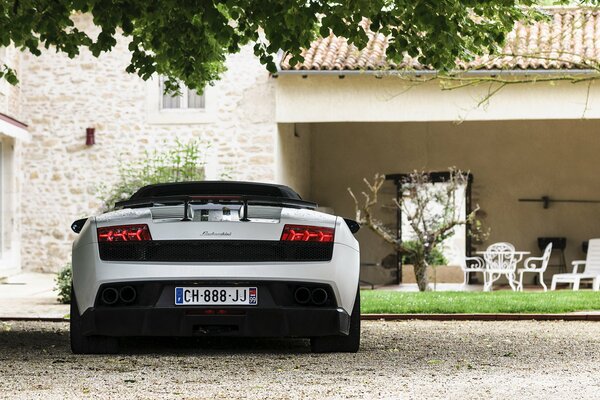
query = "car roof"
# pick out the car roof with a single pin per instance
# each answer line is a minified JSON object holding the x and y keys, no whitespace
{"x":215,"y":188}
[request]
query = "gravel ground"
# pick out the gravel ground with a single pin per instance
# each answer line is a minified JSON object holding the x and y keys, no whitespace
{"x":407,"y":359}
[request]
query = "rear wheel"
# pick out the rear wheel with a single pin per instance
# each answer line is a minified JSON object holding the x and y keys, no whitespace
{"x":82,"y":344}
{"x":341,"y":344}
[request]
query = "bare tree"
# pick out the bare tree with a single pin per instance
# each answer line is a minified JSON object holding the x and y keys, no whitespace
{"x":433,"y":211}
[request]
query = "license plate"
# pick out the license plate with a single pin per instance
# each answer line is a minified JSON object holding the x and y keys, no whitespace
{"x":216,"y":296}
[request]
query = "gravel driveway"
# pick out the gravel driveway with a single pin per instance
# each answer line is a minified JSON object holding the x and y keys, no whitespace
{"x":408,"y":359}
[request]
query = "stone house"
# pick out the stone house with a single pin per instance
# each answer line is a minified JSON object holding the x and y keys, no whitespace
{"x":319,"y":127}
{"x":13,"y":135}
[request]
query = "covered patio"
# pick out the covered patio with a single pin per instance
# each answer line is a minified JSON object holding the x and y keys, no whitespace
{"x":524,"y":123}
{"x":526,"y":142}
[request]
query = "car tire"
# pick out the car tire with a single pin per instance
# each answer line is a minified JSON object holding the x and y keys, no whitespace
{"x":82,"y":344}
{"x":341,"y":344}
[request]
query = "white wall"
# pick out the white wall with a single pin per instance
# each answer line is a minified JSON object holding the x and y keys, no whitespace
{"x":294,"y":157}
{"x":509,"y":160}
{"x":10,"y":205}
{"x":364,"y":98}
{"x":11,"y":138}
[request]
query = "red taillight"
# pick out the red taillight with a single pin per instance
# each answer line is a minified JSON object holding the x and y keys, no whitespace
{"x":124,"y":233}
{"x":304,"y":233}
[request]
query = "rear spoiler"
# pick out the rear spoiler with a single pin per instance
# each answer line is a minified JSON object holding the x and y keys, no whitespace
{"x":244,"y":200}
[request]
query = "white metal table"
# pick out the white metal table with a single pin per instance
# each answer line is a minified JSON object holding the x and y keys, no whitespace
{"x":493,"y":273}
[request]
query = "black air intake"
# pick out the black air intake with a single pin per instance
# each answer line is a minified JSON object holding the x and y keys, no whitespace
{"x":216,"y":251}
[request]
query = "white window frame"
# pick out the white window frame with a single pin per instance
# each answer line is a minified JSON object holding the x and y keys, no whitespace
{"x":10,"y":260}
{"x":183,"y":98}
{"x":157,"y":115}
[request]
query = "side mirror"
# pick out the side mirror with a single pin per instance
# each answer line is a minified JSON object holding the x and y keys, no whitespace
{"x":352,"y":224}
{"x":77,"y":226}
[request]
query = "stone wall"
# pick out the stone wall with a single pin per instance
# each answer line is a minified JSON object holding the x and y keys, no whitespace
{"x":62,"y":97}
{"x":10,"y":96}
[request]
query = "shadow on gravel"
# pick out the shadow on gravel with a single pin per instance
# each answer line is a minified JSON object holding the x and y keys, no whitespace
{"x":21,"y":341}
{"x":213,"y":345}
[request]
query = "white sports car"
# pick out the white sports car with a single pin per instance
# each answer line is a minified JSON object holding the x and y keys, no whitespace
{"x":215,"y":258}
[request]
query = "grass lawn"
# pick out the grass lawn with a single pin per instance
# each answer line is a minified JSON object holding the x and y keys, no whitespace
{"x":391,"y":302}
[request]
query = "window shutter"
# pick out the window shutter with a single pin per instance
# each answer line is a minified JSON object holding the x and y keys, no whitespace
{"x":195,"y":100}
{"x":188,"y":98}
{"x":169,"y":101}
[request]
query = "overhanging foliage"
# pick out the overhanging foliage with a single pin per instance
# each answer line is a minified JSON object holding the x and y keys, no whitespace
{"x":188,"y":41}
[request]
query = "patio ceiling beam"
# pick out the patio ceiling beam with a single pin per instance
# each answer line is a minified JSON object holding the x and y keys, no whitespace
{"x":364,"y":99}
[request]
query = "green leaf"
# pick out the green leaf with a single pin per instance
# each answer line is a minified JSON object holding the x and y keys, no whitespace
{"x":188,"y":41}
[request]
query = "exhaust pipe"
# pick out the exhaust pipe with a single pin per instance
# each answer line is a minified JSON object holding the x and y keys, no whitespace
{"x":302,"y":295}
{"x":110,"y":296}
{"x":319,"y":296}
{"x":127,"y":294}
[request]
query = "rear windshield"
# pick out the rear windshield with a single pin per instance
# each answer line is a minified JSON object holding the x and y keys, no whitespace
{"x":215,"y":188}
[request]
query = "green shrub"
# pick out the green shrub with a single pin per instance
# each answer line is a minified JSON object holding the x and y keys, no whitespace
{"x":182,"y":162}
{"x":435,"y":258}
{"x":63,"y":282}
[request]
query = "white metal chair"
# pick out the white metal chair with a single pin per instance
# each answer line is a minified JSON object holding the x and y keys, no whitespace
{"x":531,"y":265}
{"x":591,"y":269}
{"x":472,"y":264}
{"x":500,"y":259}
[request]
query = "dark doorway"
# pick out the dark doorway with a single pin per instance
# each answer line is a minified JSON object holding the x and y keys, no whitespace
{"x":434,"y":177}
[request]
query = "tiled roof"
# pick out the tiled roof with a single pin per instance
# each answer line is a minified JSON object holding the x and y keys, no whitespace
{"x":570,"y":40}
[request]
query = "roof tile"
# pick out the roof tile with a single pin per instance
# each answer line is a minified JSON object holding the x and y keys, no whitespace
{"x":570,"y":40}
